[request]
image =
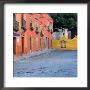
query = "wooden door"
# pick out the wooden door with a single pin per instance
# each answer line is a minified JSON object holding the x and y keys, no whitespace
{"x":14,"y":45}
{"x":31,"y":44}
{"x":22,"y":44}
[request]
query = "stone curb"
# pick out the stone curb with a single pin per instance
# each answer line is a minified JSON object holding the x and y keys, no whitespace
{"x":34,"y":54}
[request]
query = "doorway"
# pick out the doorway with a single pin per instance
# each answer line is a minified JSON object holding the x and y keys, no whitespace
{"x":51,"y":43}
{"x":41,"y":43}
{"x":63,"y":44}
{"x":14,"y":45}
{"x":36,"y":43}
{"x":48,"y":43}
{"x":22,"y":44}
{"x":31,"y":44}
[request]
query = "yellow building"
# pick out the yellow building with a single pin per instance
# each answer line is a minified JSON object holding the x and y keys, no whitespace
{"x":64,"y":43}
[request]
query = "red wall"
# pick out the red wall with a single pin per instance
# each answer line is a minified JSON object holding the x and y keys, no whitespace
{"x":46,"y":20}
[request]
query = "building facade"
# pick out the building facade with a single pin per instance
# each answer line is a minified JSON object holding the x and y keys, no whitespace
{"x":62,"y":40}
{"x":62,"y":32}
{"x":64,"y":43}
{"x":31,"y":32}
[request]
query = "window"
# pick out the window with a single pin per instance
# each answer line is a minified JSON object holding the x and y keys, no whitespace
{"x":50,"y":28}
{"x":31,"y":23}
{"x":40,"y":27}
{"x":36,"y":23}
{"x":23,"y":23}
{"x":14,"y":17}
{"x":30,"y":19}
{"x":36,"y":26}
{"x":41,"y":34}
{"x":15,"y":23}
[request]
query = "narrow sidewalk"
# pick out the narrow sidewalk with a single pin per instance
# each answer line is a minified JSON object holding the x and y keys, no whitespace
{"x":34,"y":54}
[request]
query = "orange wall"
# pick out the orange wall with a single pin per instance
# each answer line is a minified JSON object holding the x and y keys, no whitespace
{"x":45,"y":21}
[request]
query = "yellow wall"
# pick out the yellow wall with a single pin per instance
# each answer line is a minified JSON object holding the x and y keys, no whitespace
{"x":71,"y":44}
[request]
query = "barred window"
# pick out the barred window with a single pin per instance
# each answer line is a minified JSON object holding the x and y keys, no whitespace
{"x":40,"y":27}
{"x":30,"y":19}
{"x":23,"y":22}
{"x":15,"y":23}
{"x":14,"y":17}
{"x":36,"y":23}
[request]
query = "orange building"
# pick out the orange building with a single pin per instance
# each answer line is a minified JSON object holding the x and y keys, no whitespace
{"x":31,"y":32}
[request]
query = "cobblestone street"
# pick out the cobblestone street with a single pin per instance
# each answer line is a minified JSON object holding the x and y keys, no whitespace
{"x":52,"y":64}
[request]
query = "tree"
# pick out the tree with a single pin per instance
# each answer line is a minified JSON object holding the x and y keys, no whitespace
{"x":65,"y":20}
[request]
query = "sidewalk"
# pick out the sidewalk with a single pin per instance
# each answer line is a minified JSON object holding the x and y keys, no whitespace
{"x":34,"y":54}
